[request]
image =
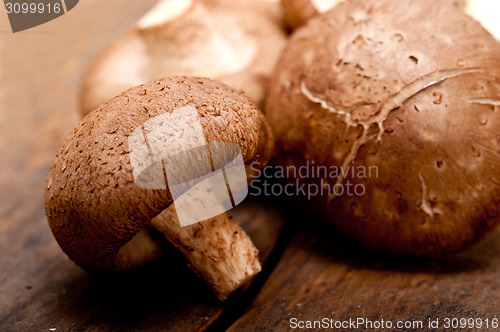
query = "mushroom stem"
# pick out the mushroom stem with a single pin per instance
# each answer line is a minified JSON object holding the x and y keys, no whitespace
{"x":299,"y":12}
{"x":217,"y":249}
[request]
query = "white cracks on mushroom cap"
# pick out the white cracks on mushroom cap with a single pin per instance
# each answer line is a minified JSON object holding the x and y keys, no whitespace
{"x":491,"y":102}
{"x":390,"y":105}
{"x":339,"y":110}
{"x":411,"y":90}
{"x":393,"y":103}
{"x":426,"y":206}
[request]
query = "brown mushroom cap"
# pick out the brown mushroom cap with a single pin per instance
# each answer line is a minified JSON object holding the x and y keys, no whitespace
{"x":385,"y":83}
{"x":299,"y":12}
{"x":236,"y":42}
{"x":93,"y":204}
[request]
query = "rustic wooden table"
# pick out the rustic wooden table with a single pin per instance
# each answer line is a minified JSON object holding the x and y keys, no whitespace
{"x":309,"y":273}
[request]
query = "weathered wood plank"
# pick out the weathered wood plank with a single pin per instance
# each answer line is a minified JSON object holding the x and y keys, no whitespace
{"x":42,"y":289}
{"x":324,"y":275}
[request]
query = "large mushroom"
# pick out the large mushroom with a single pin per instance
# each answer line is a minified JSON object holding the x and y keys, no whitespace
{"x":235,"y":42}
{"x":104,"y":214}
{"x":299,"y":12}
{"x":411,"y":91}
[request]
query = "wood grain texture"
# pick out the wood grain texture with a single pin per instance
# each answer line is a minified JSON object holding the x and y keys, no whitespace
{"x":40,"y":288}
{"x":324,"y":275}
{"x":52,"y":292}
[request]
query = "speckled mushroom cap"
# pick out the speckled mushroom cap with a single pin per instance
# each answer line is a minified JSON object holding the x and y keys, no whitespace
{"x":235,"y":42}
{"x":93,"y":205}
{"x":298,"y":12}
{"x":412,"y":88}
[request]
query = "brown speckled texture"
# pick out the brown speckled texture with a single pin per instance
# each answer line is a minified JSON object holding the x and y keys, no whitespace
{"x":386,"y":84}
{"x":94,"y":206}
